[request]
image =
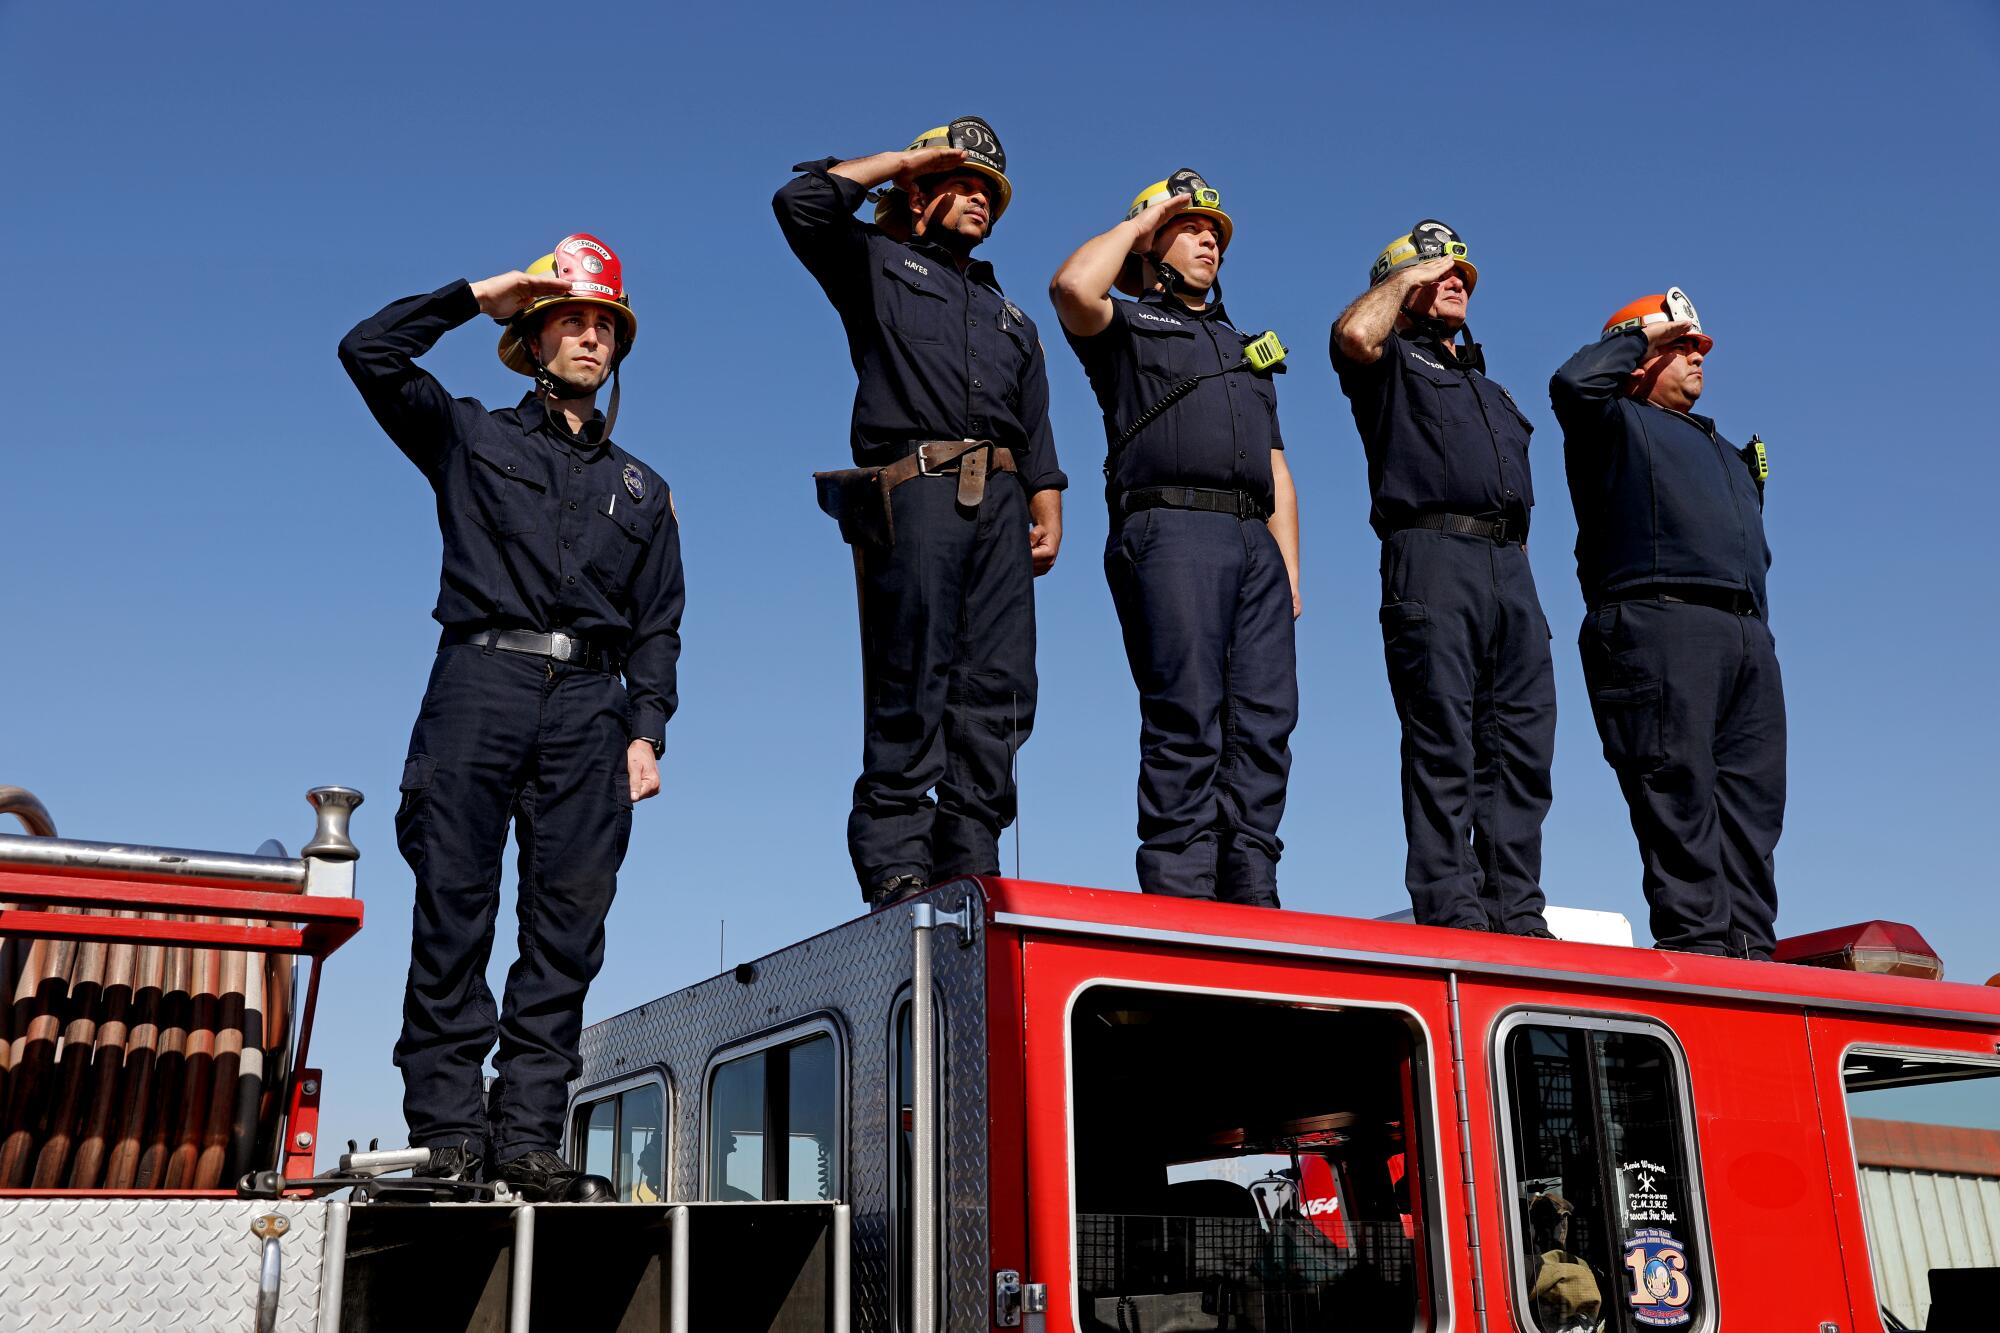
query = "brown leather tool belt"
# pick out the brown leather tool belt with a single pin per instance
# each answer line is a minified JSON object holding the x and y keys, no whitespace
{"x":858,"y":497}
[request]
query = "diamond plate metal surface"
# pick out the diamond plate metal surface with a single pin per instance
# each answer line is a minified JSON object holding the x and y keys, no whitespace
{"x":854,"y":974}
{"x":154,"y":1264}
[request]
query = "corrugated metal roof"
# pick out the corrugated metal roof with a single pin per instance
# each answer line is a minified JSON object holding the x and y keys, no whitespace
{"x":1921,"y":1220}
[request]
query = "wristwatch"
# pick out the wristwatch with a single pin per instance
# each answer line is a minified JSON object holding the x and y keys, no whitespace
{"x":659,"y":747}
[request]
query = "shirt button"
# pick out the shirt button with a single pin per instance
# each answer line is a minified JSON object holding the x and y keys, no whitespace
{"x":572,"y":504}
{"x":510,"y":467}
{"x":977,"y":385}
{"x":574,"y":470}
{"x":570,"y":579}
{"x":565,"y":546}
{"x":975,"y":356}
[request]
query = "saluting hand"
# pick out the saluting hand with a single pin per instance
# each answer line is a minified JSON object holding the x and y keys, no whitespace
{"x":642,"y":770}
{"x":1660,"y":335}
{"x":926,"y":162}
{"x":504,"y":295}
{"x":1151,"y":219}
{"x":1431,"y":270}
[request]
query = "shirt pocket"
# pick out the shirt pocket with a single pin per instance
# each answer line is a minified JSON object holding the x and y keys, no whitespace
{"x":1162,"y":351}
{"x":914,"y":305}
{"x":1439,"y":396}
{"x":614,"y":541}
{"x":507,"y":497}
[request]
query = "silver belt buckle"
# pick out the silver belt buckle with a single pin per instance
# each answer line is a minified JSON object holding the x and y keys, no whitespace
{"x":560,"y":647}
{"x":924,"y":460}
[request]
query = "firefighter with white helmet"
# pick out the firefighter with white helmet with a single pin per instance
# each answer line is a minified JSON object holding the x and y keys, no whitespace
{"x":560,"y":600}
{"x":1677,"y":648}
{"x":954,"y":505}
{"x":1203,"y":559}
{"x":1466,"y":643}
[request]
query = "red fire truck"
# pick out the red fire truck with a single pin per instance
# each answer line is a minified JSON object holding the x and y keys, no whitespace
{"x":1112,"y":1114}
{"x":1130,"y":1114}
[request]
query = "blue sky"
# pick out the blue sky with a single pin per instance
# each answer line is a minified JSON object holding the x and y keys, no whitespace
{"x":220,"y":572}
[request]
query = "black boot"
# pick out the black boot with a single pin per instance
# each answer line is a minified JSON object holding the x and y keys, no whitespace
{"x":544,"y":1177}
{"x":896,"y":889}
{"x":454,"y":1161}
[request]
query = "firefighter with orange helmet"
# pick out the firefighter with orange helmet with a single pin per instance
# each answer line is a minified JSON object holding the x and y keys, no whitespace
{"x":560,"y":599}
{"x":1677,"y":648}
{"x":1463,"y":634}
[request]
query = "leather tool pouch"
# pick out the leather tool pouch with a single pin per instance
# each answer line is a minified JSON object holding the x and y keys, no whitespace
{"x":858,"y":499}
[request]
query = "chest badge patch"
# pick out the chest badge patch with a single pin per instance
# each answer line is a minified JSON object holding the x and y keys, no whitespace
{"x":635,"y":481}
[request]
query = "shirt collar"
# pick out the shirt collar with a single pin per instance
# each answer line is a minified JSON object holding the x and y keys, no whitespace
{"x":977,"y":269}
{"x":1213,"y":311}
{"x":534,"y":416}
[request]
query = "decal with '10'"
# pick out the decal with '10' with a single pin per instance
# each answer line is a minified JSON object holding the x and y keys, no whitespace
{"x":1661,"y":1288}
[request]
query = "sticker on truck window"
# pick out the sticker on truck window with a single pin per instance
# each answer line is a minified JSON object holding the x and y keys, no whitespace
{"x":1661,"y":1289}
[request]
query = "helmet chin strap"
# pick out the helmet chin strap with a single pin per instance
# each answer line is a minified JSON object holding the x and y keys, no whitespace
{"x":1174,"y":284}
{"x":553,"y":386}
{"x":1468,"y":353}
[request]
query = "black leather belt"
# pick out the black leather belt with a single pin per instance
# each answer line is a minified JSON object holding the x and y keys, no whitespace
{"x":1736,"y":601}
{"x":556,"y":647}
{"x":1499,"y":531}
{"x":1239,"y":503}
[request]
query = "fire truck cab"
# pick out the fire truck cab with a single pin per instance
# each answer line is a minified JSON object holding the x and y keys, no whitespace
{"x":1132,"y":1114}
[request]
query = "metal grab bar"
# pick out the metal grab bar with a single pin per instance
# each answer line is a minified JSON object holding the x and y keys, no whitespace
{"x":326,"y":869}
{"x":25,"y":806}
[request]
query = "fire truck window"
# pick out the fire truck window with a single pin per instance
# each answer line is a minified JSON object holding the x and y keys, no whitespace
{"x":622,"y":1137}
{"x":773,"y":1123}
{"x":1605,"y":1207}
{"x":1926,"y":1134}
{"x":642,"y":1144}
{"x":1246,"y":1164}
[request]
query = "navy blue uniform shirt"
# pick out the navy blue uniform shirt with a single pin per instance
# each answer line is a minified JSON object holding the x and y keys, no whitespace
{"x":1440,"y":438}
{"x":938,"y":354}
{"x":1220,"y":436}
{"x":1660,"y":497}
{"x":543,"y":530}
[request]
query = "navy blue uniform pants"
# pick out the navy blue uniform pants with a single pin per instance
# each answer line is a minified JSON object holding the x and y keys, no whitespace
{"x":1468,"y":655}
{"x":948,"y":672}
{"x":1691,"y":710}
{"x":1206,"y":608}
{"x":505,"y":735}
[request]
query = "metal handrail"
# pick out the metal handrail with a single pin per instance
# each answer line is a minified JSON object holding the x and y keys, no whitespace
{"x":25,"y":806}
{"x":326,"y":868}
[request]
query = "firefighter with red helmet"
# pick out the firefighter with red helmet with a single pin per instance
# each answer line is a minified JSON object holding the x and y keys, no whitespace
{"x":560,"y":599}
{"x":1677,"y":648}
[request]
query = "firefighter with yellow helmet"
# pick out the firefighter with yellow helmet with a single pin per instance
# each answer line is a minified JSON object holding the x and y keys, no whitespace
{"x":954,"y":504}
{"x":560,"y":599}
{"x":1203,"y":556}
{"x":1676,"y":645}
{"x":1466,"y":643}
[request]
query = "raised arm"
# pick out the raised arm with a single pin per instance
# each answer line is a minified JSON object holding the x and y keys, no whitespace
{"x":1081,"y":288}
{"x":380,"y":356}
{"x":1363,"y":329}
{"x":1584,"y":388}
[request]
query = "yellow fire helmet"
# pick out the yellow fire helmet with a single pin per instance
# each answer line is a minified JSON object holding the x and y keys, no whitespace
{"x":1207,"y":203}
{"x":1429,"y":239}
{"x":596,"y":277}
{"x":983,"y":155}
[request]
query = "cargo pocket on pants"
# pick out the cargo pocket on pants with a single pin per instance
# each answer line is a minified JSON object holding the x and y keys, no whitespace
{"x":1406,"y":644}
{"x":412,"y":813}
{"x":1628,"y":722}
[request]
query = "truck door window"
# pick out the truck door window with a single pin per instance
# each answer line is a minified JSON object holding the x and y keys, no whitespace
{"x":1927,"y":1149}
{"x":1608,"y":1223}
{"x":1246,"y":1164}
{"x":774,"y":1122}
{"x":622,"y":1137}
